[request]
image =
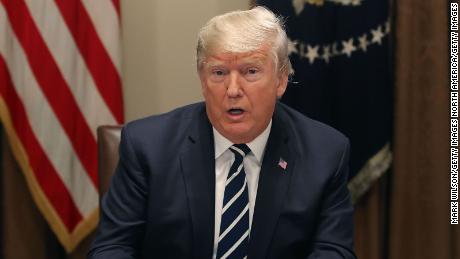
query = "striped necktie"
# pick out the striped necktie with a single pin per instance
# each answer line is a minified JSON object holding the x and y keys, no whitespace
{"x":234,"y":226}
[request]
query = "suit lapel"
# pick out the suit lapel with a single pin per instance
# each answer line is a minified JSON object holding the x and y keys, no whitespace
{"x":272,"y":188}
{"x":197,"y":164}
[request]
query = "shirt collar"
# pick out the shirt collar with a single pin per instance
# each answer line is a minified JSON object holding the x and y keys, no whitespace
{"x":257,"y":146}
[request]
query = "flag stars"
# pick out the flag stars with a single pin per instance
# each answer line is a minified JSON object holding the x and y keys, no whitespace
{"x":344,"y":2}
{"x":377,"y":35}
{"x":298,"y":6}
{"x":312,"y":53}
{"x":355,"y":2}
{"x":363,"y":43}
{"x":326,"y":53}
{"x":348,"y":47}
{"x":292,"y":47}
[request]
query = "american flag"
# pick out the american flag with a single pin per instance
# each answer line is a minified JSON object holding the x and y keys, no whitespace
{"x":59,"y":80}
{"x":282,"y":164}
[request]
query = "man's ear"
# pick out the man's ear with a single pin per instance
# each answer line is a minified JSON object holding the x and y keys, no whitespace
{"x":282,"y":84}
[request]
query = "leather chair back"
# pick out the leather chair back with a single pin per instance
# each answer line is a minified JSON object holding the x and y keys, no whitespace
{"x":108,"y":140}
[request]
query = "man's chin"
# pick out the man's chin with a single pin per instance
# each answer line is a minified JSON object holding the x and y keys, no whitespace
{"x":239,"y":133}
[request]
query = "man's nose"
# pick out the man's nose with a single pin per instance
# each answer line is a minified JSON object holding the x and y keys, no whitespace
{"x":233,"y":85}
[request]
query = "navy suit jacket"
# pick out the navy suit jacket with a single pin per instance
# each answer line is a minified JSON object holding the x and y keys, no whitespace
{"x":161,"y":200}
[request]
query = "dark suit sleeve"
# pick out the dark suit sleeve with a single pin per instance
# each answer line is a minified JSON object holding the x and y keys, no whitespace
{"x":334,"y":235}
{"x":121,"y":226}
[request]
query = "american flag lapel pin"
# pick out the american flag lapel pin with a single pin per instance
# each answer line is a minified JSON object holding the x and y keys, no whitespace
{"x":282,"y":163}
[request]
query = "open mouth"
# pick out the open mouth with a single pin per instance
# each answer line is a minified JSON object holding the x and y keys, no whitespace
{"x":236,"y":111}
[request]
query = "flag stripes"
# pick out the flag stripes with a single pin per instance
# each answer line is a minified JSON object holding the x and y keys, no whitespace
{"x":59,"y":80}
{"x":103,"y":24}
{"x":53,"y":85}
{"x":51,"y":183}
{"x":59,"y":150}
{"x":73,"y":68}
{"x":98,"y":61}
{"x":116,"y":4}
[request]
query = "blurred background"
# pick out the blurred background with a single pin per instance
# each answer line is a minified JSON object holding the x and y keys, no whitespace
{"x":377,"y":70}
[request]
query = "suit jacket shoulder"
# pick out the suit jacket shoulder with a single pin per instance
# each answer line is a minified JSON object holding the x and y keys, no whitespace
{"x":312,"y":140}
{"x":160,"y":136}
{"x":163,"y":177}
{"x":312,"y":131}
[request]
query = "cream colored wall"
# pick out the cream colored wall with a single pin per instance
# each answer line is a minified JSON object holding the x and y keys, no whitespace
{"x":159,"y":52}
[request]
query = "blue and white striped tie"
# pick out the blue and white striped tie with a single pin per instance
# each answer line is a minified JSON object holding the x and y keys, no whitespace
{"x":234,"y":226}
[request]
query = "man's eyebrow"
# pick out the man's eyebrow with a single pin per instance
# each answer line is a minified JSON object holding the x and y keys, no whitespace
{"x":214,"y":63}
{"x":253,"y":60}
{"x":257,"y":60}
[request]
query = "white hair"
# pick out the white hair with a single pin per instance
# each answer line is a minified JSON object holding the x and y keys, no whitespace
{"x":245,"y":31}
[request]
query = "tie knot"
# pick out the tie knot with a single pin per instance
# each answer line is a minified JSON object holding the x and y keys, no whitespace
{"x":240,"y":149}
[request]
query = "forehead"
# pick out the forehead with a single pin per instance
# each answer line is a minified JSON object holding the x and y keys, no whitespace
{"x":260,"y":57}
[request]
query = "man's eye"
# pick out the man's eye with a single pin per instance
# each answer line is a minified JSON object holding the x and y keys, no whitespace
{"x":218,"y":72}
{"x":252,"y":74}
{"x":218,"y":75}
{"x":252,"y":71}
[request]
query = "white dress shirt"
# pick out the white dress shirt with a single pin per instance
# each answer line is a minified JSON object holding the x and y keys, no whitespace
{"x":252,"y":163}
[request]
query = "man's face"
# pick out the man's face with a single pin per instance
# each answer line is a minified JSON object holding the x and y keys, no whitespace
{"x":240,"y":90}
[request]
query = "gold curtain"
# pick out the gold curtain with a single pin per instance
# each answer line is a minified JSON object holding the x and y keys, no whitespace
{"x":420,"y":216}
{"x":371,"y":221}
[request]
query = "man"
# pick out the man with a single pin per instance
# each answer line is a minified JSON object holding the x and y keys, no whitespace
{"x":238,"y":176}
